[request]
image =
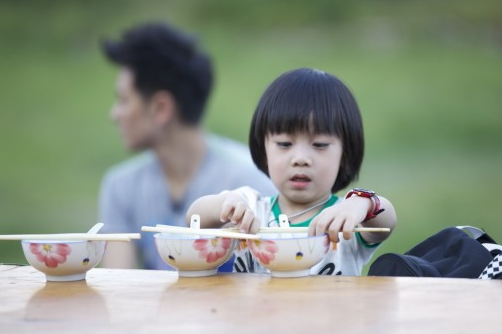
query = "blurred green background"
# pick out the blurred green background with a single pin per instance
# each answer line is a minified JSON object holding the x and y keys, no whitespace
{"x":427,"y":75}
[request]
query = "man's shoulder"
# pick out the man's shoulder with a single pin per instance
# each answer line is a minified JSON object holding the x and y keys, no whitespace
{"x":228,"y":149}
{"x":232,"y":159}
{"x":132,"y":167}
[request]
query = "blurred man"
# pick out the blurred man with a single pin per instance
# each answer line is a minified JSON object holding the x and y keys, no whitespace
{"x":163,"y":84}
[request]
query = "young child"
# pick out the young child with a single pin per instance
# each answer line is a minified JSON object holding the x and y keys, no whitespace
{"x":307,"y":136}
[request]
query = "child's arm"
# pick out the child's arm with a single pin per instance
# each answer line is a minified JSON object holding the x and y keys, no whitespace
{"x":385,"y":219}
{"x":344,"y":216}
{"x":217,"y":210}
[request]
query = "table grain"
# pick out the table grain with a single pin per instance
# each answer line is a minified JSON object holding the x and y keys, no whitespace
{"x":156,"y":301}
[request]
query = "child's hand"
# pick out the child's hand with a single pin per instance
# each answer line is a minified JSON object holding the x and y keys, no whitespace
{"x":343,"y":217}
{"x":236,"y":210}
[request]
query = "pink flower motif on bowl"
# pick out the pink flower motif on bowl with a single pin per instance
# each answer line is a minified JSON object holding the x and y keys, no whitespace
{"x":212,"y":249}
{"x":263,"y":249}
{"x":51,"y":255}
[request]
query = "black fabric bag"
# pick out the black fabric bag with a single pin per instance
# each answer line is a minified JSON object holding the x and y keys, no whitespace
{"x":449,"y":253}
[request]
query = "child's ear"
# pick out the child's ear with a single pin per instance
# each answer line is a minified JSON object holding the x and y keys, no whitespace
{"x":164,"y":106}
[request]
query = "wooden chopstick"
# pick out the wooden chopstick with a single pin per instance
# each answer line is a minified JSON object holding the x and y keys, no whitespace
{"x":202,"y":231}
{"x":169,"y":226}
{"x":73,"y":236}
{"x":305,"y":229}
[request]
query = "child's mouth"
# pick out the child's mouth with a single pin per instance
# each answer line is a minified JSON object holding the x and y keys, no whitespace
{"x":299,"y":181}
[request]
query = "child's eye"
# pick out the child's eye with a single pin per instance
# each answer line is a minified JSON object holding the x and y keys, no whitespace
{"x":283,"y":143}
{"x":320,"y":145}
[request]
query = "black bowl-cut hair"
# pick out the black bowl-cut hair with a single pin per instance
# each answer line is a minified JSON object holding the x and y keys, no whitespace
{"x":164,"y":58}
{"x":310,"y":101}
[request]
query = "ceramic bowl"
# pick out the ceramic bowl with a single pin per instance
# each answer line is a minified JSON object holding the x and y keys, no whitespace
{"x":193,"y":256}
{"x":63,"y":260}
{"x":289,"y":255}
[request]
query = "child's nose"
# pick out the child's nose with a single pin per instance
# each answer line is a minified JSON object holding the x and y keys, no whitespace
{"x":301,"y":157}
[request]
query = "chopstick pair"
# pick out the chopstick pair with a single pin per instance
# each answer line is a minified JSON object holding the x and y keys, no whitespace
{"x":305,"y":229}
{"x":234,"y":232}
{"x":199,"y":231}
{"x":73,"y":236}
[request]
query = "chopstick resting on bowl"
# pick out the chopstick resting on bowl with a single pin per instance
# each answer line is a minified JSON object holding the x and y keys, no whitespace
{"x":305,"y":229}
{"x":73,"y":236}
{"x":202,"y":231}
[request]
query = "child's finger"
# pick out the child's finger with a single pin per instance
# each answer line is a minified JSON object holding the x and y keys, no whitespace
{"x":348,"y":230}
{"x":227,"y":211}
{"x":255,"y":224}
{"x":333,"y":236}
{"x":322,"y":225}
{"x":239,"y":211}
{"x":247,"y":222}
{"x":334,"y":228}
{"x":312,"y":228}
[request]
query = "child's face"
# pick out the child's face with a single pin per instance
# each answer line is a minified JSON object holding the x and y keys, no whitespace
{"x":303,"y":167}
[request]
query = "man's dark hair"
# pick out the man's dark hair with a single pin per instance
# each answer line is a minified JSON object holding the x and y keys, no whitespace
{"x":164,"y":58}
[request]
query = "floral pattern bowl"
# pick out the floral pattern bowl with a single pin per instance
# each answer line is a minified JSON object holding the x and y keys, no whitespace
{"x":63,"y":260}
{"x":194,"y":256}
{"x":289,"y":255}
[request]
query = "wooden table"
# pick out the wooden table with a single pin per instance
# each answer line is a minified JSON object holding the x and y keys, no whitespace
{"x":143,"y":301}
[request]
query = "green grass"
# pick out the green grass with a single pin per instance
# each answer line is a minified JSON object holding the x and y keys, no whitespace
{"x":427,"y":80}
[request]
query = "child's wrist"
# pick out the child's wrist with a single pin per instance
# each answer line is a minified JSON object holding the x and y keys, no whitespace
{"x":375,"y":209}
